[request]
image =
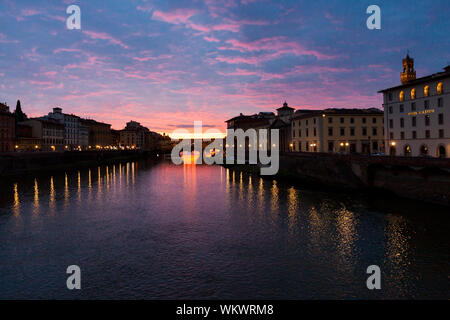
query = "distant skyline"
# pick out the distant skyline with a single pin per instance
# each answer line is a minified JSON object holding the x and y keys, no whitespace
{"x":167,"y":64}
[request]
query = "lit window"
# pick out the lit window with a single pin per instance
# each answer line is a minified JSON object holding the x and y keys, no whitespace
{"x":426,"y":91}
{"x":413,"y":94}
{"x":440,"y":88}
{"x":402,"y":96}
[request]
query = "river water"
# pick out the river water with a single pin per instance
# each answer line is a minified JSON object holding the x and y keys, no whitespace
{"x":153,"y":230}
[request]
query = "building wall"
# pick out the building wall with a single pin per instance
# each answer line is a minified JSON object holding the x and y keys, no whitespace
{"x":99,"y":133}
{"x":350,"y":133}
{"x":431,"y":134}
{"x":7,"y":131}
{"x":49,"y":133}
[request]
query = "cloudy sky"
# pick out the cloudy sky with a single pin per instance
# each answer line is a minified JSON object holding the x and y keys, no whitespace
{"x":167,"y":63}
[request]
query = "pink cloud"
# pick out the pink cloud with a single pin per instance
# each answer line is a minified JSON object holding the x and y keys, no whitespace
{"x":175,"y":17}
{"x":105,"y":36}
{"x":278,"y":44}
{"x":211,"y":39}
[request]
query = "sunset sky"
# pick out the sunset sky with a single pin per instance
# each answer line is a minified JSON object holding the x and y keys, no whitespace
{"x":168,"y":63}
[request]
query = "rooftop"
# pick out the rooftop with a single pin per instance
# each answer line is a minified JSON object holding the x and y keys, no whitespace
{"x":434,"y":76}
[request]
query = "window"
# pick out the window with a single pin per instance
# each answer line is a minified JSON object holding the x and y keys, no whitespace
{"x":352,"y":120}
{"x":307,"y":132}
{"x":342,"y":132}
{"x":391,"y":110}
{"x":374,"y":131}
{"x":413,"y":94}
{"x":299,"y":123}
{"x":402,"y":108}
{"x":330,"y":146}
{"x":342,"y":120}
{"x":391,"y":124}
{"x":402,"y":135}
{"x":364,"y":131}
{"x":390,"y":96}
{"x":413,"y":106}
{"x":352,"y":131}
{"x":402,"y":123}
{"x":293,"y":133}
{"x":414,"y":121}
{"x":401,"y":96}
{"x":363,"y":120}
{"x":391,"y":135}
{"x":426,"y":91}
{"x":314,"y":120}
{"x":427,"y":133}
{"x":330,"y":120}
{"x":314,"y":131}
{"x":440,"y":102}
{"x":427,"y":120}
{"x":307,"y":146}
{"x":440,"y":88}
{"x":330,"y":132}
{"x":300,"y":146}
{"x":440,"y":118}
{"x":374,"y":120}
{"x":427,"y":104}
{"x":306,"y":122}
{"x":414,"y":135}
{"x":299,"y":132}
{"x":441,"y":133}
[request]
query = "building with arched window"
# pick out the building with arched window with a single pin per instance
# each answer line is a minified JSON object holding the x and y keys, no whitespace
{"x":418,"y":124}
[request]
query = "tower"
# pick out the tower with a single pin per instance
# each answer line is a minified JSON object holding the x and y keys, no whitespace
{"x":408,"y":74}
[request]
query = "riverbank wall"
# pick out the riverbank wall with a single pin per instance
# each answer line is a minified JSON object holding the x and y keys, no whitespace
{"x":16,"y":164}
{"x":426,"y":179}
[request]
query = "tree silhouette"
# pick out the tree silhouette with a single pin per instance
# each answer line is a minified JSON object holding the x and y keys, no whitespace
{"x":18,"y":113}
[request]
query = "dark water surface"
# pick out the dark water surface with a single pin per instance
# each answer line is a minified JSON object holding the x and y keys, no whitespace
{"x":147,"y":230}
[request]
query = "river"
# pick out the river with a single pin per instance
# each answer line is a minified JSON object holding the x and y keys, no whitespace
{"x":153,"y":230}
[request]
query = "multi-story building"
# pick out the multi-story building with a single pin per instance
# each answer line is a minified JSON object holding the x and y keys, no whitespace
{"x":24,"y":138}
{"x":134,"y":136}
{"x":74,"y":133}
{"x":7,"y":129}
{"x":338,"y":130}
{"x":417,"y":114}
{"x":99,"y":133}
{"x":262,"y":120}
{"x":50,"y":132}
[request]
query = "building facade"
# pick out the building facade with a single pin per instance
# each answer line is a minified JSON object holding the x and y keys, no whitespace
{"x":417,"y":114}
{"x":99,"y":134}
{"x":24,"y":138}
{"x":134,"y":136}
{"x":7,"y":129}
{"x":76,"y":135}
{"x":50,"y":132}
{"x":338,"y":130}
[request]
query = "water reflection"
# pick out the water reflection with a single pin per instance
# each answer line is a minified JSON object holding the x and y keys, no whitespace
{"x":216,"y":228}
{"x":16,"y":206}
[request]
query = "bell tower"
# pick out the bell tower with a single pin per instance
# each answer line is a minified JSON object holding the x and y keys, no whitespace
{"x":408,"y":74}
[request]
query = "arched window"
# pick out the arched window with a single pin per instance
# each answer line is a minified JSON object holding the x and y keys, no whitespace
{"x":413,"y":94}
{"x":426,"y":91}
{"x":440,"y":88}
{"x":402,"y":96}
{"x":423,"y":150}
{"x":407,"y":151}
